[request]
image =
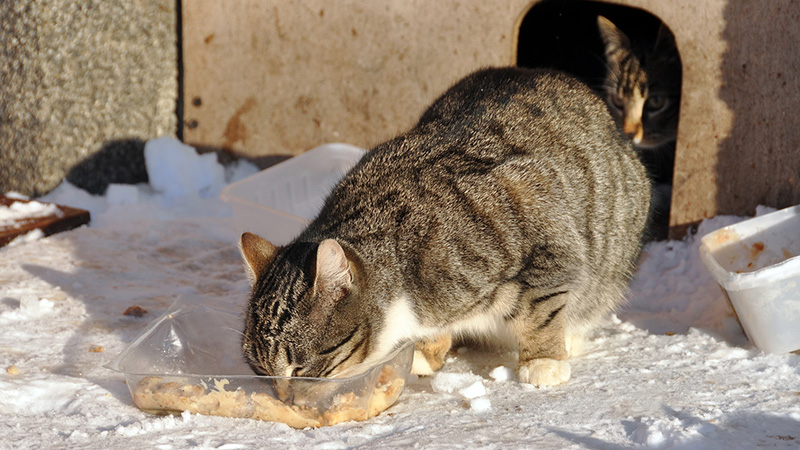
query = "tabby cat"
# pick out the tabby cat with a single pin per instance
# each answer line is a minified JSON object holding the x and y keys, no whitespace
{"x":643,"y":84}
{"x":513,"y":208}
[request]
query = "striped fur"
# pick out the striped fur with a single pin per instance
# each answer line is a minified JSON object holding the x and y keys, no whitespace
{"x":513,"y":208}
{"x":643,"y":85}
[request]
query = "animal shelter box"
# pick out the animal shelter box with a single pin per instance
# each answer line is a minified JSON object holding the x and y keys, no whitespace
{"x":279,"y":78}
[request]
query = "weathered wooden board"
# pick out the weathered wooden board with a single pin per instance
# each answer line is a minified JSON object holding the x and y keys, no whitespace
{"x":66,"y":219}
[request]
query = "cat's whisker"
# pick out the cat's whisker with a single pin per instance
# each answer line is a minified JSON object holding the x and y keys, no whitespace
{"x":237,"y":331}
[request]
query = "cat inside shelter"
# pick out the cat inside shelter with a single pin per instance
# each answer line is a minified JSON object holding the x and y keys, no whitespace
{"x":629,"y":57}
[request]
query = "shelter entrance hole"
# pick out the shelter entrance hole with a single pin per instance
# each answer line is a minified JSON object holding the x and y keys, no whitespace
{"x":564,"y":35}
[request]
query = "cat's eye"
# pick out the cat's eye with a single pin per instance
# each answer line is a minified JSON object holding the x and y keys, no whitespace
{"x":656,"y":103}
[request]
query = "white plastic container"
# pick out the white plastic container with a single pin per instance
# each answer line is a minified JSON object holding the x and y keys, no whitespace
{"x":280,"y":201}
{"x":756,"y":263}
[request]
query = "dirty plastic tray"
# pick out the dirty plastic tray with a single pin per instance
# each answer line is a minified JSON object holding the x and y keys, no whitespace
{"x":757,"y":265}
{"x":190,"y":359}
{"x":280,"y":201}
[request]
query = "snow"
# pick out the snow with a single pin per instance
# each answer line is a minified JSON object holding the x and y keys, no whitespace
{"x":122,"y":194}
{"x":672,"y":370}
{"x":473,"y":391}
{"x":32,"y":235}
{"x":448,"y":382}
{"x":17,"y":211}
{"x":501,"y":373}
{"x":480,"y":404}
{"x":175,"y":168}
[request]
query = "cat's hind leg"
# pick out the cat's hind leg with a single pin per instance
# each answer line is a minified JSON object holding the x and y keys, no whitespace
{"x":540,"y":331}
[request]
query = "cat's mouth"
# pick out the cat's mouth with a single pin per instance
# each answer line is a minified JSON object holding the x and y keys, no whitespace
{"x":651,"y":143}
{"x":304,"y":391}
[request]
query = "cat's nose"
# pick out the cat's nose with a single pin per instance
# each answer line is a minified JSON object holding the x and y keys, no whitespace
{"x":634,"y":131}
{"x":284,"y":390}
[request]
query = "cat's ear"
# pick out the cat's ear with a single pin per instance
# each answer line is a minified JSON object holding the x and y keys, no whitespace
{"x":331,"y":283}
{"x":333,"y":268}
{"x":258,"y":253}
{"x":613,"y":38}
{"x":665,"y":41}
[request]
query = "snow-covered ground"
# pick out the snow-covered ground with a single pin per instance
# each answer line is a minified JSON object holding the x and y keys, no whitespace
{"x":672,"y":370}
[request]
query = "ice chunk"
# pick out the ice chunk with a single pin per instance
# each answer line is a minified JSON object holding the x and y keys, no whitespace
{"x":452,"y":382}
{"x":175,"y":169}
{"x":501,"y":373}
{"x":240,"y":170}
{"x":474,"y":390}
{"x":211,"y":174}
{"x":480,"y":404}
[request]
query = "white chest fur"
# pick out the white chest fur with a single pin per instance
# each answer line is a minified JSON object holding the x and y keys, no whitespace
{"x":402,"y":324}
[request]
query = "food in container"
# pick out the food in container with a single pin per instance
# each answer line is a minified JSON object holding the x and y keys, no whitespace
{"x":190,"y":359}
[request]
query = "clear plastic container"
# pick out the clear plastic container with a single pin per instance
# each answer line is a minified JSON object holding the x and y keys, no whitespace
{"x":757,"y":265}
{"x":190,"y":359}
{"x":280,"y":201}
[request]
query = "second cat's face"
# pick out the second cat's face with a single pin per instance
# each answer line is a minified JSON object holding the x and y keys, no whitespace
{"x":642,"y":89}
{"x":645,"y":114}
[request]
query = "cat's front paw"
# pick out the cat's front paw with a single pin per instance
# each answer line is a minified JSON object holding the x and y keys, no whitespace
{"x":429,"y":354}
{"x":544,"y":372}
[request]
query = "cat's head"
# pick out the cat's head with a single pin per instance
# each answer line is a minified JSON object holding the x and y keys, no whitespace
{"x":642,"y":85}
{"x":302,"y":320}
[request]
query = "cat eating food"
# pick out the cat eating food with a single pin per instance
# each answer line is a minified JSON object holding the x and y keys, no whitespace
{"x":515,"y":207}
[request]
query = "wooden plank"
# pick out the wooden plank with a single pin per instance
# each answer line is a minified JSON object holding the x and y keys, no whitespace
{"x":67,"y":219}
